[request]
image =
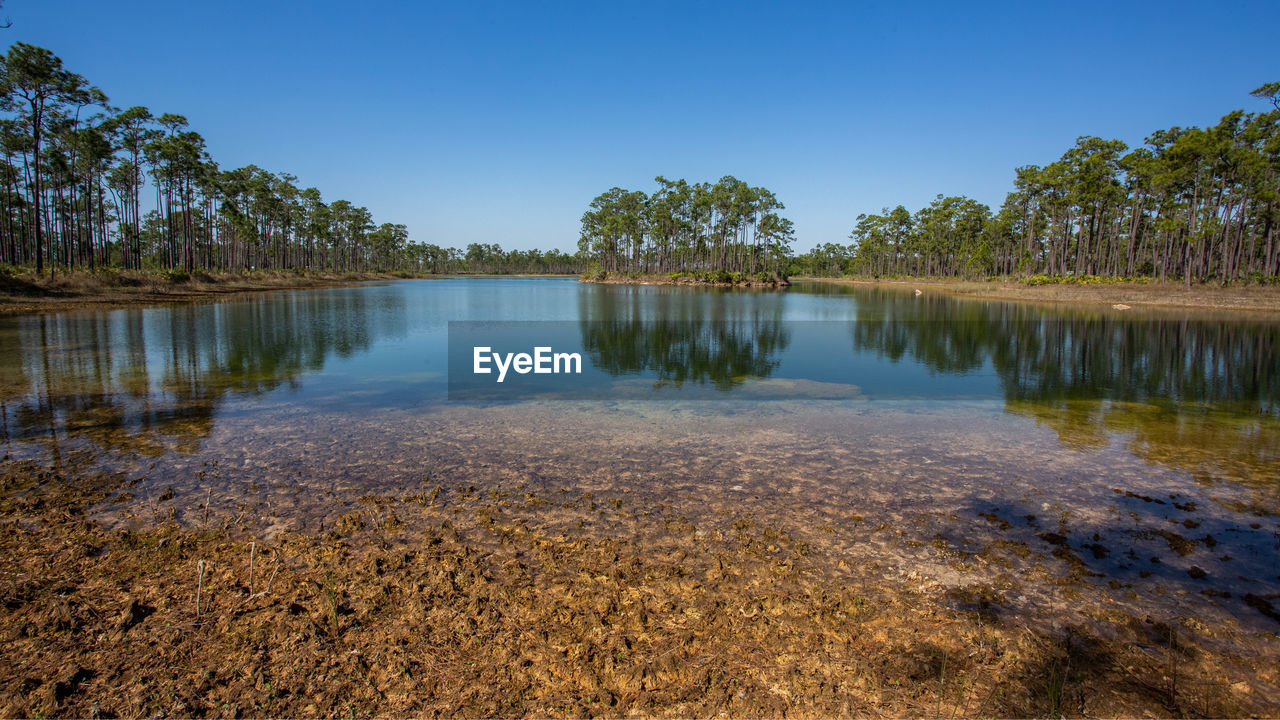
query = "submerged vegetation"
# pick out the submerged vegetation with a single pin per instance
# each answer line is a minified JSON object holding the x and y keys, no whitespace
{"x":444,"y":602}
{"x":1195,"y":204}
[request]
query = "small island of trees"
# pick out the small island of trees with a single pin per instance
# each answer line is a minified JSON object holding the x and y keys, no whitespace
{"x":726,"y":232}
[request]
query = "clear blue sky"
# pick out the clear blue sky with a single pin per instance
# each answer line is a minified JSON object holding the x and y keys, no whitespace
{"x":498,"y":122}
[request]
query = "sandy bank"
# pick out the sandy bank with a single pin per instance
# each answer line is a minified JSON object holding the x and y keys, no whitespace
{"x":1136,"y":295}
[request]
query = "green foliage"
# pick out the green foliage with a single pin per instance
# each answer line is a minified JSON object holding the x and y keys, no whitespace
{"x":69,"y":155}
{"x":1080,"y":280}
{"x":1258,"y":278}
{"x":1194,"y":204}
{"x":726,"y":227}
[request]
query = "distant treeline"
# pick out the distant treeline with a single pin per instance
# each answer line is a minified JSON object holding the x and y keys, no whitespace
{"x":682,"y":227}
{"x":1194,"y":204}
{"x":482,"y":258}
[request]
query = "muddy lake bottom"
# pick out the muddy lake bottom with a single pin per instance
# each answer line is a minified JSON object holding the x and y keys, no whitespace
{"x":641,"y":559}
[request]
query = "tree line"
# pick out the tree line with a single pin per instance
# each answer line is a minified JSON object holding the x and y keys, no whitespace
{"x":1193,"y":204}
{"x":85,"y":185}
{"x":75,"y":172}
{"x":687,"y":227}
{"x":490,"y":258}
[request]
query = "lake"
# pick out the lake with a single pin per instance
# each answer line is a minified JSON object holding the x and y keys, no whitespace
{"x":1051,"y":454}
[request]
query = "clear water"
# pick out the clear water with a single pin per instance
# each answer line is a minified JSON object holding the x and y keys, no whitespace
{"x":1130,"y":458}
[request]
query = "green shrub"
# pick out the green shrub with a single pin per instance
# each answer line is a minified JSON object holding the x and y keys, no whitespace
{"x":1081,"y":280}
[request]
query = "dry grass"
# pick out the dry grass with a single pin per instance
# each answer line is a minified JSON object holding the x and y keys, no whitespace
{"x":456,"y":605}
{"x":1137,"y":295}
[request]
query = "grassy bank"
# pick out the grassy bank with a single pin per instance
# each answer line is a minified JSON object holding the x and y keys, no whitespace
{"x":1255,"y":298}
{"x":455,"y":602}
{"x":704,"y":279}
{"x":27,"y":292}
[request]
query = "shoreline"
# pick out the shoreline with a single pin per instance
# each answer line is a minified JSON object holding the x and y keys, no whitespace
{"x":22,"y":294}
{"x":459,"y":602}
{"x":109,"y":290}
{"x":682,"y":279}
{"x":1154,"y":295}
{"x":113,"y":289}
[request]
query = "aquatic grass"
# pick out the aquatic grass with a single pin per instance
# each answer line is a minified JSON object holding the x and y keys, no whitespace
{"x":331,"y":603}
{"x":1171,"y":676}
{"x":199,"y":585}
{"x":271,"y":580}
{"x":204,"y":523}
{"x":942,"y":683}
{"x":252,"y":548}
{"x":1055,"y":681}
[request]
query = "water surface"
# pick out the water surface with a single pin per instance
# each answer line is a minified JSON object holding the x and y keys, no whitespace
{"x":1048,"y":453}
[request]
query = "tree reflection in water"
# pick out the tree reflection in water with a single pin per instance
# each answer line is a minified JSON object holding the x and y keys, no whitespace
{"x":1201,"y":394}
{"x":140,"y":381}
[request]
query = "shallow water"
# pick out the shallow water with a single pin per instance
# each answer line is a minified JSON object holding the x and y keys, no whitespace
{"x":1044,"y":454}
